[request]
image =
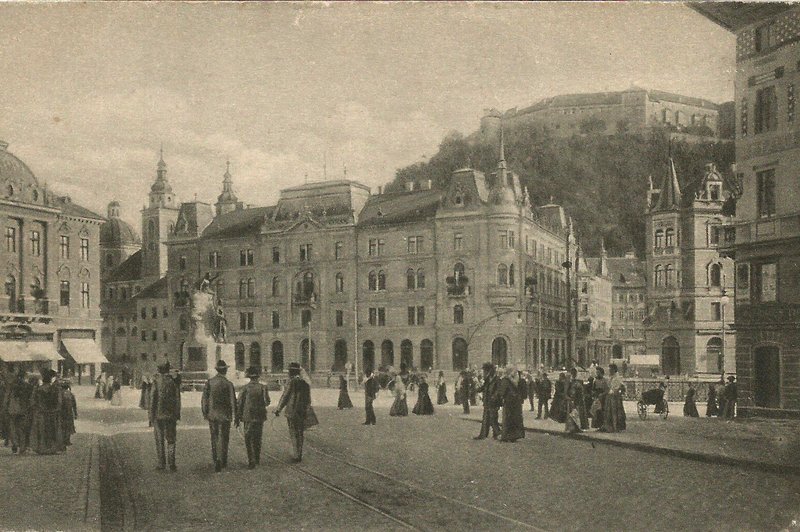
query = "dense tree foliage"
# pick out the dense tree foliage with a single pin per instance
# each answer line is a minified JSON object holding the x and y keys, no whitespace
{"x":600,"y":180}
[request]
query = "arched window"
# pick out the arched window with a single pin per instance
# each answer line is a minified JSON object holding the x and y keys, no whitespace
{"x":242,"y":288}
{"x":458,"y":271}
{"x":276,"y":286}
{"x":658,"y":278}
{"x":277,"y":357}
{"x":502,"y":275}
{"x":499,"y":351}
{"x":426,"y":355}
{"x":511,"y":275}
{"x":239,"y":355}
{"x":373,"y":281}
{"x":420,"y":278}
{"x":381,"y":280}
{"x":387,"y":353}
{"x":658,"y":241}
{"x":458,"y":314}
{"x":406,"y":354}
{"x":715,"y":274}
{"x":339,"y":355}
{"x":669,"y":237}
{"x":368,"y":356}
{"x":255,"y":354}
{"x":411,"y":279}
{"x":460,"y":354}
{"x":670,"y":276}
{"x":670,"y":356}
{"x":339,"y":283}
{"x":308,"y":285}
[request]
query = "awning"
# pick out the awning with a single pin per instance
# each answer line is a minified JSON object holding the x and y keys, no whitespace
{"x":84,"y":351}
{"x":19,"y":351}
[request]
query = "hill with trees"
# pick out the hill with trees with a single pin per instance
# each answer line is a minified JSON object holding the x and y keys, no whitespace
{"x":600,"y":180}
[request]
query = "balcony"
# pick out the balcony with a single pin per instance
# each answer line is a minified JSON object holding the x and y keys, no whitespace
{"x":308,"y":299}
{"x":458,"y":287}
{"x":501,"y":296}
{"x":727,"y":240}
{"x":766,"y":229}
{"x":23,"y":310}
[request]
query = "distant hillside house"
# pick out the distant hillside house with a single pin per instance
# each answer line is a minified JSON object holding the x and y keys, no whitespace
{"x":607,"y":113}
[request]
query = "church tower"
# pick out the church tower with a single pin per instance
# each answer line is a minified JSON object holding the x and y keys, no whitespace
{"x":227,"y":201}
{"x":158,"y":222}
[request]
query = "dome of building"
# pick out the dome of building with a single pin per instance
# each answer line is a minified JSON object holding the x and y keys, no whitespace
{"x":17,"y":182}
{"x":116,"y":232}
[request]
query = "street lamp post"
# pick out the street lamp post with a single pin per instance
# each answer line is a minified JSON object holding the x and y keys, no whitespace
{"x":723,"y":302}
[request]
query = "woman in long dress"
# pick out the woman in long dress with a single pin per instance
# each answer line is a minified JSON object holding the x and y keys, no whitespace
{"x":116,"y":393}
{"x":46,"y":401}
{"x":344,"y":397}
{"x":711,"y":405}
{"x":614,"y":408}
{"x":143,"y":398}
{"x":511,"y":397}
{"x":599,"y":393}
{"x":69,"y":411}
{"x":441,"y":390}
{"x":689,"y":406}
{"x":424,"y":406}
{"x":558,"y":408}
{"x":400,"y":406}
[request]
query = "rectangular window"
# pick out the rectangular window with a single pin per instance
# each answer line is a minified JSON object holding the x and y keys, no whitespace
{"x":458,"y":241}
{"x":338,"y":251}
{"x":765,"y":181}
{"x":144,"y":335}
{"x":164,"y":335}
{"x":84,"y":295}
{"x":420,"y":315}
{"x":743,"y":117}
{"x":250,"y":257}
{"x":339,"y":318}
{"x":11,"y":239}
{"x":373,"y":316}
{"x":154,"y":336}
{"x":64,"y":246}
{"x":412,"y":315}
{"x":246,"y":321}
{"x":790,"y":103}
{"x":766,"y":111}
{"x":64,"y":293}
{"x":381,"y":316}
{"x":214,"y":259}
{"x":503,"y":239}
{"x":276,"y":320}
{"x":414,"y":244}
{"x":713,"y":235}
{"x":716,"y":311}
{"x":373,"y":247}
{"x":512,"y":241}
{"x":305,"y":252}
{"x":84,"y":249}
{"x":154,"y":312}
{"x":381,"y":246}
{"x":182,"y":263}
{"x":305,"y":318}
{"x":769,"y":283}
{"x":743,"y":282}
{"x":765,"y":37}
{"x":144,"y":313}
{"x":534,"y":249}
{"x":276,"y":255}
{"x":36,"y":243}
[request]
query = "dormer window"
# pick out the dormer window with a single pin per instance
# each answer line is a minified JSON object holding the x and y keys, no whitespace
{"x":714,"y":191}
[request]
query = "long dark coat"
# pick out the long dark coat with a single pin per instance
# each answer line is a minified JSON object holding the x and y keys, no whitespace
{"x":511,"y":397}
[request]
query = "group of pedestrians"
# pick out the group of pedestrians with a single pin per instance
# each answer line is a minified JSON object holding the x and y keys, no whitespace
{"x":400,"y":384}
{"x":221,"y":407}
{"x":108,"y":387}
{"x":722,"y":403}
{"x":36,"y":413}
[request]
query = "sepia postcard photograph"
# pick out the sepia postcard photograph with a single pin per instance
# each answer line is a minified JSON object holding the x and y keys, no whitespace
{"x":345,"y":266}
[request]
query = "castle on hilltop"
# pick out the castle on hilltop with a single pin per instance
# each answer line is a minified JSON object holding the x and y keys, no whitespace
{"x":607,"y":113}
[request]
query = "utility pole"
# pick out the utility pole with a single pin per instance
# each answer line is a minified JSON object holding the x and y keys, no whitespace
{"x":355,"y":339}
{"x":568,"y":265}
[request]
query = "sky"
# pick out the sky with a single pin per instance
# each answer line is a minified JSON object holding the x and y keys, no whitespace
{"x":89,"y":92}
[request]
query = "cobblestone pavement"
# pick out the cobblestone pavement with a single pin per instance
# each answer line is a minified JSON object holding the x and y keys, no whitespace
{"x":416,"y":472}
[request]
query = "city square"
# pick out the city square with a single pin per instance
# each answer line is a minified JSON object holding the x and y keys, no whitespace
{"x":362,"y":265}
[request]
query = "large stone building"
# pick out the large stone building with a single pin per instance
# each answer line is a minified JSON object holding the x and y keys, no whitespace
{"x":689,"y":315}
{"x":594,"y":311}
{"x":765,"y":238}
{"x":333,"y":274}
{"x":632,"y":110}
{"x":49,"y":313}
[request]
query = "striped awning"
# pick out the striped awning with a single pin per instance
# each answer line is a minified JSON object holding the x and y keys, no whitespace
{"x":21,"y":351}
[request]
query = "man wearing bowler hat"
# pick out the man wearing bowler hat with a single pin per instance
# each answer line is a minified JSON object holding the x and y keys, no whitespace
{"x":164,"y":413}
{"x":252,"y":409}
{"x":296,"y":400}
{"x":218,"y":405}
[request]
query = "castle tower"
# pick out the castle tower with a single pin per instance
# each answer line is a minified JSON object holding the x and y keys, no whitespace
{"x":158,"y":222}
{"x":118,"y":240}
{"x":227,"y":201}
{"x":688,"y":280}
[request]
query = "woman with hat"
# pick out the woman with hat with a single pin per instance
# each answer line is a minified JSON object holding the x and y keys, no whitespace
{"x":441,"y":390}
{"x":344,"y":396}
{"x":510,"y":394}
{"x":400,"y":406}
{"x":69,"y":411}
{"x":46,"y":404}
{"x":424,"y":406}
{"x":296,"y":400}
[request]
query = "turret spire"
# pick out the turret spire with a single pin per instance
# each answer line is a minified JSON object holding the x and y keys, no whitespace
{"x":502,"y":162}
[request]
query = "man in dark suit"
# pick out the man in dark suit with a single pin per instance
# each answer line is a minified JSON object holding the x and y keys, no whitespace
{"x":490,"y":403}
{"x":544,"y":392}
{"x":252,"y":409}
{"x":218,"y":405}
{"x":370,"y":392}
{"x":164,"y":413}
{"x":18,"y":406}
{"x":296,"y":400}
{"x":531,"y":388}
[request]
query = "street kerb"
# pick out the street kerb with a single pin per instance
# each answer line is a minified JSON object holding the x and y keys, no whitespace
{"x":709,"y":458}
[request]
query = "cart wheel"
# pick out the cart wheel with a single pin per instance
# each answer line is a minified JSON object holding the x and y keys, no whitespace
{"x":665,"y":410}
{"x":641,"y":408}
